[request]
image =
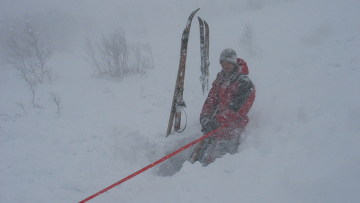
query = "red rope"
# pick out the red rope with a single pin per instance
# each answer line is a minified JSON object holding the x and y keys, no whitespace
{"x":152,"y":165}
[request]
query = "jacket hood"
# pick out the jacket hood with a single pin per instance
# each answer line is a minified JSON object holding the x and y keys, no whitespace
{"x":243,"y":68}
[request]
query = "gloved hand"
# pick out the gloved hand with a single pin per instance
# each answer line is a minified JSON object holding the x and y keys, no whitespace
{"x":209,"y":126}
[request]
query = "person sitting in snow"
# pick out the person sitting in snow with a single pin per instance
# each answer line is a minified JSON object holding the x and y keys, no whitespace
{"x":227,"y":105}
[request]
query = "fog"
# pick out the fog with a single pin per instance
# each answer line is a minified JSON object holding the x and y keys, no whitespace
{"x":68,"y":128}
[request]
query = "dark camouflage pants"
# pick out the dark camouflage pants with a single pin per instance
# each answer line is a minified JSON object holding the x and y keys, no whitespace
{"x":216,"y":147}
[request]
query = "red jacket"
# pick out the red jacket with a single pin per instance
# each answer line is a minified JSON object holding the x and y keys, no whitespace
{"x":230,"y":99}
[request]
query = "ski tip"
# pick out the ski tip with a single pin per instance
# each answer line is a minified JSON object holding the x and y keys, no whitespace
{"x":193,"y":13}
{"x":190,"y":19}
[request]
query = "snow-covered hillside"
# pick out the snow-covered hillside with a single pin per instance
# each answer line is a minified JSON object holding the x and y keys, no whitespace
{"x":302,"y":144}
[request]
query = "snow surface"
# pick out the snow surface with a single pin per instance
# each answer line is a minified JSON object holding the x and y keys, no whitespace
{"x":302,"y":144}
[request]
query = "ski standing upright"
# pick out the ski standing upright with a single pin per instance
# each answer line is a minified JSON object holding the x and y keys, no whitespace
{"x":204,"y":78}
{"x":204,"y":51}
{"x":178,"y":103}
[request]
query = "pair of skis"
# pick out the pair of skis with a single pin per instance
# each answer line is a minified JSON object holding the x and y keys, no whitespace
{"x":178,"y":103}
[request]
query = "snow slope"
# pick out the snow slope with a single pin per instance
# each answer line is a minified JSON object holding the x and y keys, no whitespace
{"x":302,"y":144}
